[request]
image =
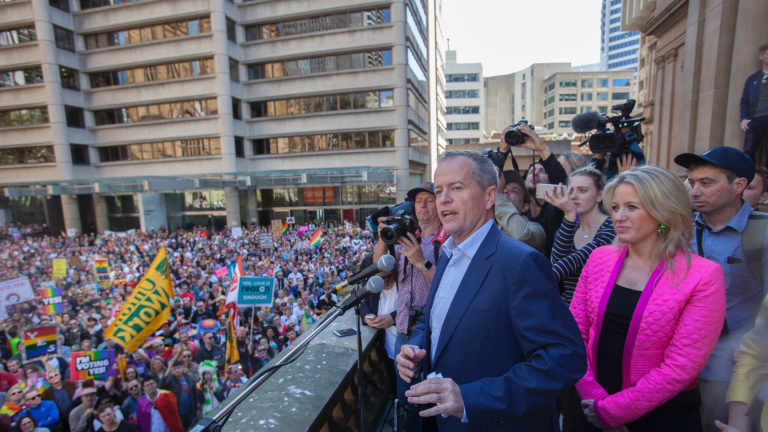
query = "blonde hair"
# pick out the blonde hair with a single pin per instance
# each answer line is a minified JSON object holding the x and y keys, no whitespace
{"x":663,"y":195}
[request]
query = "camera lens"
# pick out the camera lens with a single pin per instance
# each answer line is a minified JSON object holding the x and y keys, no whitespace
{"x":389,"y":234}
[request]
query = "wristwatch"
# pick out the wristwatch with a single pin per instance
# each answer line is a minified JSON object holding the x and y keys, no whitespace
{"x":426,"y":266}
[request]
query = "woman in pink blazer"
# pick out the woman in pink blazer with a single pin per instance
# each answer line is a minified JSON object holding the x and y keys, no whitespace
{"x":649,"y":311}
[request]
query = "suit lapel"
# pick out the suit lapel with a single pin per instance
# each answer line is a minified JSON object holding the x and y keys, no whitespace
{"x":442,"y":263}
{"x":470,"y":285}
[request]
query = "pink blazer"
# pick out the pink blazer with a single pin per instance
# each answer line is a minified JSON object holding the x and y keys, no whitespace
{"x":676,"y":323}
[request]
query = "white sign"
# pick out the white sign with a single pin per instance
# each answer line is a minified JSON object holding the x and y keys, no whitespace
{"x":290,"y":220}
{"x":14,"y":291}
{"x":237,"y":232}
{"x":265,"y":241}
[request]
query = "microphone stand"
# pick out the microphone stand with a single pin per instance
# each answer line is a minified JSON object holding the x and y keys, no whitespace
{"x":360,"y":386}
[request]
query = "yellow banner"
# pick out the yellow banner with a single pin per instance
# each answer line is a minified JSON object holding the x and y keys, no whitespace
{"x":148,"y":307}
{"x":59,"y":268}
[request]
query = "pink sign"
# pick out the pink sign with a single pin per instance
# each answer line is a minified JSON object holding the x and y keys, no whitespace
{"x":221,"y":272}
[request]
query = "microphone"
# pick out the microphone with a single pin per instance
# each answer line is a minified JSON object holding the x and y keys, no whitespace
{"x":586,"y":122}
{"x":374,"y":286}
{"x":385,"y":264}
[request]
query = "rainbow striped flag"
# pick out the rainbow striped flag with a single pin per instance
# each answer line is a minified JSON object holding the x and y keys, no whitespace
{"x":101,"y":267}
{"x":53,"y":302}
{"x":317,"y":237}
{"x":40,"y":341}
{"x":284,"y":228}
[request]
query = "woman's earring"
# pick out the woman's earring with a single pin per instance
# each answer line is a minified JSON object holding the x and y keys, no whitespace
{"x":662,"y":229}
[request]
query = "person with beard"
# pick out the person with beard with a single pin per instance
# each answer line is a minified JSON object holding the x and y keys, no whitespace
{"x":110,"y":422}
{"x":131,"y":402}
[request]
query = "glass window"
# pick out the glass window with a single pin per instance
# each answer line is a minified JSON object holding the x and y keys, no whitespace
{"x":24,"y":117}
{"x":567,"y":110}
{"x":75,"y":116}
{"x":603,"y":82}
{"x":364,"y":18}
{"x":586,"y":97}
{"x":60,"y":4}
{"x":617,"y":96}
{"x":164,"y":111}
{"x":603,"y":109}
{"x":463,"y":126}
{"x":567,"y":97}
{"x":65,"y":39}
{"x":17,"y":36}
{"x":21,"y":77}
{"x":69,"y":78}
{"x":585,"y":109}
{"x":603,"y":96}
{"x":569,"y":83}
{"x":148,"y":33}
{"x":621,"y":82}
{"x":587,"y":83}
{"x":306,"y":66}
{"x":462,"y":94}
{"x":231,"y":30}
{"x":27,"y":155}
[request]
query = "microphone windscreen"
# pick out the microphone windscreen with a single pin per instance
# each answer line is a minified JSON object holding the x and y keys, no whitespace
{"x":586,"y":122}
{"x":386,"y":263}
{"x":375,"y":284}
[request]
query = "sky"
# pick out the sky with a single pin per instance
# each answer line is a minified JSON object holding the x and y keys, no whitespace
{"x":509,"y":35}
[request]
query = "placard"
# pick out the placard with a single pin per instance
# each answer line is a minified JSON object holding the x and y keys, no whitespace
{"x":237,"y":232}
{"x":221,"y":272}
{"x":101,"y":267}
{"x":265,"y":241}
{"x":255,"y":291}
{"x":59,"y":268}
{"x":14,"y":291}
{"x":53,"y":300}
{"x":85,"y":365}
{"x":40,"y":341}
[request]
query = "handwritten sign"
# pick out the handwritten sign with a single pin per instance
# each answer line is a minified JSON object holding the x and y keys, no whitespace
{"x":85,"y":365}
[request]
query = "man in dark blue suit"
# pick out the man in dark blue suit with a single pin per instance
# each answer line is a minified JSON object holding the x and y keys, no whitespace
{"x":496,"y":343}
{"x":754,"y":111}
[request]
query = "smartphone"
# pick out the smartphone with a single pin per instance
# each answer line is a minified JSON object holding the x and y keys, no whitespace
{"x":541,"y":189}
{"x":345,"y":332}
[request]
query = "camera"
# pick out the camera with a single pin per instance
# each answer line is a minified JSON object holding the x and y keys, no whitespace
{"x":398,"y":226}
{"x":619,"y":140}
{"x":497,"y":156}
{"x":404,"y":208}
{"x":514,"y":137}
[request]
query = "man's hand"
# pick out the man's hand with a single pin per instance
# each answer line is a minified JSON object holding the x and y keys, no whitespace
{"x":381,"y":321}
{"x":726,"y":428}
{"x":444,"y":392}
{"x":407,"y":361}
{"x":745,"y":124}
{"x":412,"y":249}
{"x":533,"y":142}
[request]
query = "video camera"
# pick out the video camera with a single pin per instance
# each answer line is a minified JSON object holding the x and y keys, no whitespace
{"x":617,"y":141}
{"x":401,"y":220}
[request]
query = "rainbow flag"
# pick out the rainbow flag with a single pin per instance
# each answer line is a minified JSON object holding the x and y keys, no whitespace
{"x":284,"y":229}
{"x":317,"y":237}
{"x":40,"y":341}
{"x":53,"y":302}
{"x":101,"y":267}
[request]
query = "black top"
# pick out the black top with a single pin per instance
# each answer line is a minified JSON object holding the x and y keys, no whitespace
{"x":610,"y":352}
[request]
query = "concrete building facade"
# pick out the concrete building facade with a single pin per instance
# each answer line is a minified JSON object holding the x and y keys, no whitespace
{"x":464,"y":101}
{"x":567,"y":94}
{"x":695,"y":57}
{"x":160,"y":114}
{"x":618,"y":48}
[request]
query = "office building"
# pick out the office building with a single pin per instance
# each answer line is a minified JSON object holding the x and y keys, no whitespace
{"x":164,"y":114}
{"x":618,"y":48}
{"x":464,"y":100}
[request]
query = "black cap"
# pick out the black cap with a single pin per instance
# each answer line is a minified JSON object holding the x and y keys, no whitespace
{"x":729,"y":158}
{"x":424,"y":187}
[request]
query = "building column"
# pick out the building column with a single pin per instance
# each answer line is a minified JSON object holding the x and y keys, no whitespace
{"x":233,"y":206}
{"x":102,"y":215}
{"x":71,"y":213}
{"x":223,"y":86}
{"x":252,"y":206}
{"x":56,"y":115}
{"x":750,"y":33}
{"x":153,"y":213}
{"x":400,"y":62}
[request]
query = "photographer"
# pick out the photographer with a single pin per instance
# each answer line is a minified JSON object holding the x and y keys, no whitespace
{"x":512,"y":204}
{"x":547,"y":170}
{"x":416,"y":261}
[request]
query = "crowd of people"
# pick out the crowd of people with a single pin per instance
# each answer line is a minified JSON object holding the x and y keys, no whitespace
{"x":180,"y":373}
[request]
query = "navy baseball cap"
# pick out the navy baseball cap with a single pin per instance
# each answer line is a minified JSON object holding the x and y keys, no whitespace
{"x":424,"y":187}
{"x":734,"y":160}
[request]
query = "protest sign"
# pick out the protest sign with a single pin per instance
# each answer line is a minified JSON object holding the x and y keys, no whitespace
{"x":221,"y":272}
{"x":265,"y":241}
{"x":40,"y":341}
{"x":85,"y":365}
{"x":255,"y":291}
{"x":101,"y":267}
{"x":146,"y":309}
{"x":59,"y":268}
{"x":237,"y":232}
{"x":14,"y":291}
{"x":53,"y":302}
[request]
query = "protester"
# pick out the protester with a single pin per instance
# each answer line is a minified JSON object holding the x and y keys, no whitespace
{"x":157,"y":409}
{"x":28,"y":424}
{"x":536,"y":352}
{"x":727,"y":233}
{"x":585,"y":226}
{"x":110,"y":422}
{"x":46,"y":413}
{"x":649,"y":311}
{"x":83,"y":414}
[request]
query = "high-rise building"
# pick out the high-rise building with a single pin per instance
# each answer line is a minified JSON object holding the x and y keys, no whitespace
{"x":159,"y":113}
{"x":567,"y":94}
{"x":464,"y":99}
{"x":618,"y":49}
